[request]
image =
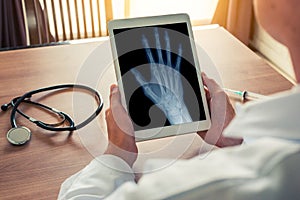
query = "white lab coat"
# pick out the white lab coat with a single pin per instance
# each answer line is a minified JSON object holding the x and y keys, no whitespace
{"x":263,"y":169}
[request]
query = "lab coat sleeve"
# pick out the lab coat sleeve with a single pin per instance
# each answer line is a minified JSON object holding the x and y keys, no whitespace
{"x":97,"y":180}
{"x":267,"y":169}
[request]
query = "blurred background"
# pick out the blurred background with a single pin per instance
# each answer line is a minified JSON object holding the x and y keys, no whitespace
{"x":36,"y":23}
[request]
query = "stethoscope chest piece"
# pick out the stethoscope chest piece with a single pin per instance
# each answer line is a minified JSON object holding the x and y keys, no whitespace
{"x":18,"y":135}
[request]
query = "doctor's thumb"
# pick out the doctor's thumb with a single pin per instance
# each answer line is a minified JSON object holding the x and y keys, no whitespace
{"x":115,"y":96}
{"x":210,"y":83}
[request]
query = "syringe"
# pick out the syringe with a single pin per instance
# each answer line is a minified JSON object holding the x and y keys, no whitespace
{"x":245,"y":95}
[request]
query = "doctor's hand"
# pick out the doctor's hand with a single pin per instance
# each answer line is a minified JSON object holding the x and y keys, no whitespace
{"x":120,"y":130}
{"x":221,"y":112}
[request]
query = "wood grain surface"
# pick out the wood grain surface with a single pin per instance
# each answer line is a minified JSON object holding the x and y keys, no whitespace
{"x":37,"y":169}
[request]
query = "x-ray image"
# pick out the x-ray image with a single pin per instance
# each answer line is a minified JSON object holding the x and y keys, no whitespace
{"x":165,"y":87}
{"x":159,"y":76}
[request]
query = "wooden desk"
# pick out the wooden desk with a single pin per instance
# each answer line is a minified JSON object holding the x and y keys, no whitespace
{"x":36,"y":170}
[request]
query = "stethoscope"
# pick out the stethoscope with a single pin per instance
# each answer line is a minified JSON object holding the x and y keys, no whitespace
{"x":19,"y":135}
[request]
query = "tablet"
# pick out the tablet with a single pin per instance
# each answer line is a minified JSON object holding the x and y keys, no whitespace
{"x":159,"y":75}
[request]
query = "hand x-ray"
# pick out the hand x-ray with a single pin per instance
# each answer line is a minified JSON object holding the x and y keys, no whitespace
{"x":164,"y":88}
{"x":158,"y":74}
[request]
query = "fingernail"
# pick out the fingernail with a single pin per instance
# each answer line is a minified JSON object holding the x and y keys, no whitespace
{"x":114,"y":89}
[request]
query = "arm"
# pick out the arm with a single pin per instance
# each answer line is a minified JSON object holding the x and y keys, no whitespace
{"x":107,"y":172}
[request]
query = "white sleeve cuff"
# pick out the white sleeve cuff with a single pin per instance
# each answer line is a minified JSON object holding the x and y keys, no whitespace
{"x":98,"y":179}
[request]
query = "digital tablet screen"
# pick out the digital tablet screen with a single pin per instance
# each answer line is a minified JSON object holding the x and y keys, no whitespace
{"x":159,"y":76}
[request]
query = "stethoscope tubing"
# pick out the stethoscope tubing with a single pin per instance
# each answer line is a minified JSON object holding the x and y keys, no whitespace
{"x":61,"y":114}
{"x":43,"y":125}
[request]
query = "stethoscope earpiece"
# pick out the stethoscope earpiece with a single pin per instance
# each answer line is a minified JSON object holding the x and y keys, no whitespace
{"x":4,"y":107}
{"x":19,"y":135}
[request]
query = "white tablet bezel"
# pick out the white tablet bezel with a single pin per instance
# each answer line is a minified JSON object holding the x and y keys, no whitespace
{"x":171,"y":130}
